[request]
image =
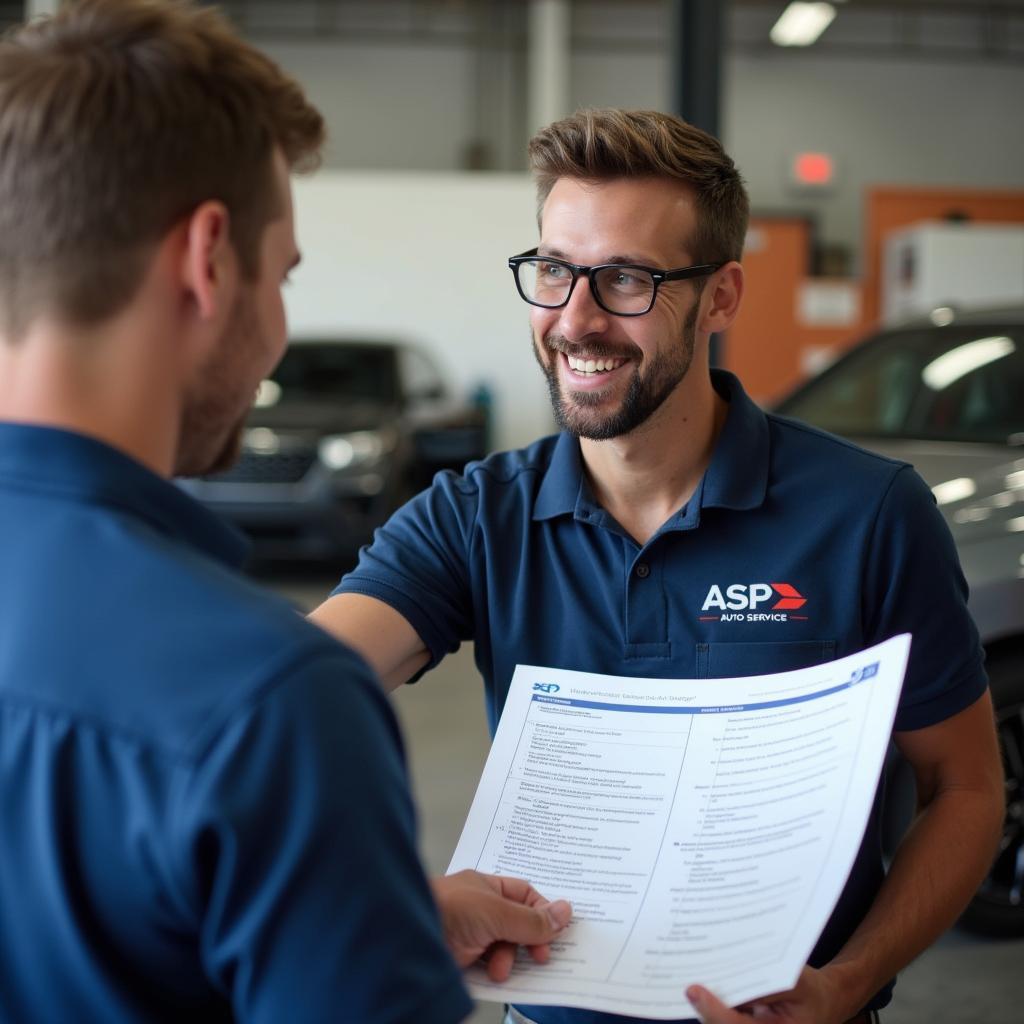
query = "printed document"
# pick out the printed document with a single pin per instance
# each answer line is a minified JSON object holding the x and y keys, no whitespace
{"x":702,"y":829}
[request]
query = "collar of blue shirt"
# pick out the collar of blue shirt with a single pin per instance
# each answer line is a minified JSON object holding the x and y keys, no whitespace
{"x":737,"y":477}
{"x":74,"y":467}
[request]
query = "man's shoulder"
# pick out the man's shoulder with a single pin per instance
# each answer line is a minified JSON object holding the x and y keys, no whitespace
{"x":798,"y":444}
{"x":160,"y":643}
{"x":244,"y":642}
{"x":513,"y":468}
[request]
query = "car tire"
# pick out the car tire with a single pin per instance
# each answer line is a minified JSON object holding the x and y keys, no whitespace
{"x":997,"y":909}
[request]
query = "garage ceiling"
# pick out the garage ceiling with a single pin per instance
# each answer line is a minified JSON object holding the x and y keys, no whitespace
{"x":954,"y":30}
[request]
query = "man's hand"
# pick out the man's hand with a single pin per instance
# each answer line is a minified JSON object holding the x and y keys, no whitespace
{"x":814,"y":1000}
{"x":487,"y":916}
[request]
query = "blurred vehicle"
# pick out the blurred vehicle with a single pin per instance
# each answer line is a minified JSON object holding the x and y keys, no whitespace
{"x":340,"y":435}
{"x":947,"y":395}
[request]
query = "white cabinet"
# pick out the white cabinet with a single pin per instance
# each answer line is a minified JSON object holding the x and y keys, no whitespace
{"x":941,"y":264}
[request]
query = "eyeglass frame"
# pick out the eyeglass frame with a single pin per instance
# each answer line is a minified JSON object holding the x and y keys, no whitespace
{"x":658,"y":276}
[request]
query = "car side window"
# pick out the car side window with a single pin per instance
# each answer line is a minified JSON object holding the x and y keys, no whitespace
{"x":874,"y":396}
{"x":985,"y":402}
{"x":965,"y":385}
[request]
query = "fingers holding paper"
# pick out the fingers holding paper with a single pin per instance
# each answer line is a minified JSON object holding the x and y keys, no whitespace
{"x":488,"y":916}
{"x":812,"y":1000}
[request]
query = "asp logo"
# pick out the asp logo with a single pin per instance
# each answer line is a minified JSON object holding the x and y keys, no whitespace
{"x":749,"y":597}
{"x":547,"y":687}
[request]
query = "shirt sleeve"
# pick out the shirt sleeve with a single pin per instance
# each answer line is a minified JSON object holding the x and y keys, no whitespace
{"x":914,"y":584}
{"x":297,"y":844}
{"x":418,"y":564}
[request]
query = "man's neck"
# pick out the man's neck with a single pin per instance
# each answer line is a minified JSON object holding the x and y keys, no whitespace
{"x":645,"y":477}
{"x":102,"y":386}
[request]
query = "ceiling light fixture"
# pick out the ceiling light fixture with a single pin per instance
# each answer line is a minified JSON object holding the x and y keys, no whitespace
{"x":800,"y":24}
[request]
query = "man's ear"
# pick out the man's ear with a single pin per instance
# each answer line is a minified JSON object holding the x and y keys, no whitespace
{"x":721,"y":298}
{"x":209,"y":267}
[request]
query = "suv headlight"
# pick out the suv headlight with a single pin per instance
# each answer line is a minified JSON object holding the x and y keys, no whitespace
{"x":356,"y":450}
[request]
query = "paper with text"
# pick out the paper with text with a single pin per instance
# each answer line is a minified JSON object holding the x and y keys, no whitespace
{"x":702,"y":829}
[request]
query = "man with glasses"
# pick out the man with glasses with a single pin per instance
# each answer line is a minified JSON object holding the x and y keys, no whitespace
{"x":674,"y":530}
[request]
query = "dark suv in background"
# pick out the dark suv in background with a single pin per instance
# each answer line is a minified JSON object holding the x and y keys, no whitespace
{"x":946,"y":394}
{"x":341,"y":434}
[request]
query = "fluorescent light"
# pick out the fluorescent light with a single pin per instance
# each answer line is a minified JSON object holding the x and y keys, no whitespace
{"x":964,"y":359}
{"x":801,"y":23}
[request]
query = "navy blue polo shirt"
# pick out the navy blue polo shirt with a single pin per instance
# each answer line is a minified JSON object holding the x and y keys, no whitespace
{"x":796,"y":548}
{"x":204,"y":812}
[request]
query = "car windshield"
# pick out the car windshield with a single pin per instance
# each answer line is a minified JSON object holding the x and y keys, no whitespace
{"x":333,"y":370}
{"x":954,"y":384}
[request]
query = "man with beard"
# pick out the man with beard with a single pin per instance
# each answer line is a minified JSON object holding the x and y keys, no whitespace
{"x":205,"y":814}
{"x":669,"y":499}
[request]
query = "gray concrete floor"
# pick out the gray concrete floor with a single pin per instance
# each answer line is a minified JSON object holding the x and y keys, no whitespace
{"x":960,"y":980}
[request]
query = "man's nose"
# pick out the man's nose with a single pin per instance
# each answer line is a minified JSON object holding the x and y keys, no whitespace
{"x":581,"y":316}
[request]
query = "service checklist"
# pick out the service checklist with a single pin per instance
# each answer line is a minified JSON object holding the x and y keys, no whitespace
{"x":702,"y":829}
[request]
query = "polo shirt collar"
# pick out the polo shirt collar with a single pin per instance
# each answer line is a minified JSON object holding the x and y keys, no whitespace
{"x":563,"y":484}
{"x":737,"y":477}
{"x":63,"y":464}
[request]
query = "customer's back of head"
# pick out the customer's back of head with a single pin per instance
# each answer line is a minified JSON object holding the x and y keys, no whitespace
{"x":203,"y":802}
{"x":116,"y":120}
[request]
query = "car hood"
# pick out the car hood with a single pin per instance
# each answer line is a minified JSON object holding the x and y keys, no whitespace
{"x":316,"y":419}
{"x":939,"y":461}
{"x":986,"y":519}
{"x":993,"y":492}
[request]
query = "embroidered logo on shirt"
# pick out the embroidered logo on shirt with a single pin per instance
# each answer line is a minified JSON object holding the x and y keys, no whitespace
{"x":739,"y":602}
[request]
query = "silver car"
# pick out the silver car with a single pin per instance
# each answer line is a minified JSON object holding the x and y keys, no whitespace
{"x":947,"y":395}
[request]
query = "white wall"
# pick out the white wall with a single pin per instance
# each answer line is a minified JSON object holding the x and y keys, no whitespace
{"x":423,"y":257}
{"x":387,"y":106}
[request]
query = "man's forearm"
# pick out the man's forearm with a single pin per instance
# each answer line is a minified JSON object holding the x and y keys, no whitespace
{"x":936,"y":870}
{"x":377,"y":632}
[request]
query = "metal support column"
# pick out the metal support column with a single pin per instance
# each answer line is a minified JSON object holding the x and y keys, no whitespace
{"x":698,"y":43}
{"x":548,"y":62}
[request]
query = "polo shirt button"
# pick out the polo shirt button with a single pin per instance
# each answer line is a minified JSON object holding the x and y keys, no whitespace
{"x":643,"y":570}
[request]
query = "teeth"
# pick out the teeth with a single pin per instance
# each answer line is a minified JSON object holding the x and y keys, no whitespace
{"x":589,"y":366}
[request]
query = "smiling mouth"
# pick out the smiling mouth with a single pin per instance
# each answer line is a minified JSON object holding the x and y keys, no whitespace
{"x":592,"y":367}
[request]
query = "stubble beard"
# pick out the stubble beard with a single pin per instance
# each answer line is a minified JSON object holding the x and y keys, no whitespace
{"x":215,"y":410}
{"x":576,"y":412}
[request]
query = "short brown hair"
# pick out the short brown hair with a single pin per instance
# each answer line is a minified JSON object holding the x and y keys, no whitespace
{"x":599,"y":145}
{"x":117,"y":118}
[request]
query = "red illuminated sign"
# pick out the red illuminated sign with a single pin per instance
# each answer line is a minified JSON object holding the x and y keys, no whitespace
{"x":813,"y":169}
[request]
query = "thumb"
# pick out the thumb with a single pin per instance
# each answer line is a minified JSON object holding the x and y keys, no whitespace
{"x":534,"y":926}
{"x":559,"y":914}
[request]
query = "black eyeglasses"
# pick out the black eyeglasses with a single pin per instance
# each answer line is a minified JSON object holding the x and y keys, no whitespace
{"x":622,"y":289}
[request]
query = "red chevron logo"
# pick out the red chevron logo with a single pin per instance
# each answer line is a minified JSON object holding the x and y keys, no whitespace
{"x":791,"y":597}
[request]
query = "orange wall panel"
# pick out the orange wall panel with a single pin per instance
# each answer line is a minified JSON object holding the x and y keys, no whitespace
{"x":768,"y":346}
{"x":761,"y":347}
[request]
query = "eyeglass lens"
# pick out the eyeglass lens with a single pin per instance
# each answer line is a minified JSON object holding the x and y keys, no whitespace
{"x":619,"y":289}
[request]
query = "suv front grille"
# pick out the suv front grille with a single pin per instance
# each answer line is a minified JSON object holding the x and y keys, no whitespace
{"x":277,"y":468}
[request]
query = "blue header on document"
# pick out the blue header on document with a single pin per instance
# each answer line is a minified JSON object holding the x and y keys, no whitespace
{"x":861,"y":675}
